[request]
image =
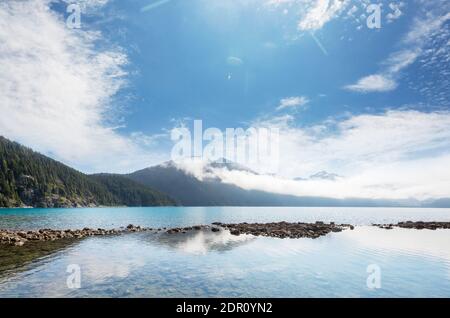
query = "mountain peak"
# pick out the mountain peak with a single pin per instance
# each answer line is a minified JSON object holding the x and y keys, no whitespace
{"x":321,"y":175}
{"x":229,"y":165}
{"x":324,"y":175}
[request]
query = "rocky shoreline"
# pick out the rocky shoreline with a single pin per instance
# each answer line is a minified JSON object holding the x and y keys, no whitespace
{"x":19,"y":238}
{"x":276,"y":230}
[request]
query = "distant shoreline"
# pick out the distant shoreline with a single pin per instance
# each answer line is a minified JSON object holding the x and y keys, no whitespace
{"x":229,"y":206}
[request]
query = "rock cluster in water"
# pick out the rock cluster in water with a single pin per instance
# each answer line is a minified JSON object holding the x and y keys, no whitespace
{"x":277,"y":230}
{"x":184,"y":230}
{"x":384,"y":226}
{"x":285,"y":229}
{"x":416,"y":225}
{"x":19,"y":238}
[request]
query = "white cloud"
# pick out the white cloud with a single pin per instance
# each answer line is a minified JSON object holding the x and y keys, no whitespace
{"x":400,"y":60}
{"x":396,"y":11}
{"x":148,"y":140}
{"x":424,"y":28}
{"x":386,"y":80}
{"x":423,"y":31}
{"x":88,"y":5}
{"x":293,"y":102}
{"x":431,"y":34}
{"x":393,"y":155}
{"x":320,"y":12}
{"x":277,"y":3}
{"x":373,"y":83}
{"x":409,"y":183}
{"x":234,"y":61}
{"x":351,"y":12}
{"x":57,"y":89}
{"x":313,"y":15}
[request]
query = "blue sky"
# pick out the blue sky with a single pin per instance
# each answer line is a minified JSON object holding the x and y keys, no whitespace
{"x":179,"y":62}
{"x":348,"y":99}
{"x":181,"y":50}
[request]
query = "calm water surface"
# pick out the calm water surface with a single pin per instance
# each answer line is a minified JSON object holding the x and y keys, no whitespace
{"x":205,"y":264}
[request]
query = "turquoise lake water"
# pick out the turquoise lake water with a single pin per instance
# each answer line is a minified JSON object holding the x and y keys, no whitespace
{"x":404,"y":263}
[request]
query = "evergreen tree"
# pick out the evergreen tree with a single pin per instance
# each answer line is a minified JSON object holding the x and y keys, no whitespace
{"x":28,"y":178}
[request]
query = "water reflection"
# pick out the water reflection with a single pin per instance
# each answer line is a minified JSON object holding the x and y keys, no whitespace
{"x":433,"y":245}
{"x":111,"y":257}
{"x":202,"y":241}
{"x":206,"y":264}
{"x":406,"y":241}
{"x":15,"y":258}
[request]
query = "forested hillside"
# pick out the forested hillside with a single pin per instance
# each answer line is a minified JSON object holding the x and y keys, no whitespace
{"x":130,"y":192}
{"x":28,"y":178}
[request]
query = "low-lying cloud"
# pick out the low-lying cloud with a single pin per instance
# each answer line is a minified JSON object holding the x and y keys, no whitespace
{"x":399,"y":154}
